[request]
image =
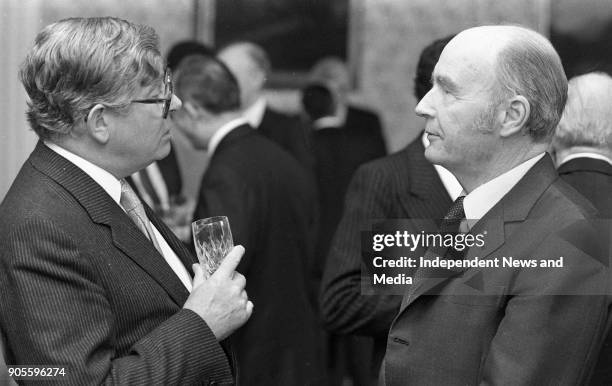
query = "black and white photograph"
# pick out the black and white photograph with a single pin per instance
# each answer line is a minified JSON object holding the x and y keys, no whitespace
{"x":306,"y":192}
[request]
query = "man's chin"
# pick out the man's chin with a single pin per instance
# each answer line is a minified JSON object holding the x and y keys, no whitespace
{"x":165,"y":147}
{"x":433,"y":155}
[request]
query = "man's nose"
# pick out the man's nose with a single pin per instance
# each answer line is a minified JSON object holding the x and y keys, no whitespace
{"x":423,"y":108}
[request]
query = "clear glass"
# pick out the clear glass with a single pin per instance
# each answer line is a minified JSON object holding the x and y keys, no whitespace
{"x":212,"y":238}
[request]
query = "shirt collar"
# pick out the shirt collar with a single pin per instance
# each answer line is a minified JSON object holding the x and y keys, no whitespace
{"x":483,"y":198}
{"x":254,"y":113}
{"x":329,"y":122}
{"x":222,"y":132}
{"x":106,"y":180}
{"x":585,"y":155}
{"x":452,"y":186}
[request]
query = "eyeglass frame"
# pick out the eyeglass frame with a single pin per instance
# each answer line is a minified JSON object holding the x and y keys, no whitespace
{"x":166,"y":101}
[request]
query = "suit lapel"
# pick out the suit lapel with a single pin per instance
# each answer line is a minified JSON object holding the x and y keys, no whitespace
{"x":512,"y":208}
{"x":103,"y":210}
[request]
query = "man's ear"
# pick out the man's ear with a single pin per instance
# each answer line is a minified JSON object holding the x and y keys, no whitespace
{"x":97,"y":126}
{"x":515,"y":116}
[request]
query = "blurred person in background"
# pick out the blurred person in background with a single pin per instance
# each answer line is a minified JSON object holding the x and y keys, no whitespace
{"x":271,"y":211}
{"x":583,"y":149}
{"x":251,"y":66}
{"x":583,"y":139}
{"x":401,"y":185}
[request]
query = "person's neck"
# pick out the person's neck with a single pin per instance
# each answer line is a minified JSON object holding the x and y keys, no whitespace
{"x":500,"y":163}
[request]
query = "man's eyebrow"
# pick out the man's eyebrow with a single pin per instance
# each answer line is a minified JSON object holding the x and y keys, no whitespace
{"x":445,"y":82}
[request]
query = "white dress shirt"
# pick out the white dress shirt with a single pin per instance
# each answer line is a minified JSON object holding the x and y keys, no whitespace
{"x":112,"y":186}
{"x":255,"y":112}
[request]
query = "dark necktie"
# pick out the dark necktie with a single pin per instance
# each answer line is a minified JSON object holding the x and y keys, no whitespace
{"x":453,"y":218}
{"x":133,"y":207}
{"x":451,"y":224}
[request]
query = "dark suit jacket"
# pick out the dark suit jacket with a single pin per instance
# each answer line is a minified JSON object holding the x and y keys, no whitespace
{"x":288,"y":132}
{"x":338,"y":153}
{"x":271,"y":209}
{"x":401,"y":185}
{"x":509,"y":326}
{"x":82,"y":286}
{"x":593,"y":179}
{"x":171,"y":172}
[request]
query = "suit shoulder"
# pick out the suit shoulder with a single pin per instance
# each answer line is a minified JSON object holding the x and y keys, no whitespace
{"x":392,"y":164}
{"x":563,"y":203}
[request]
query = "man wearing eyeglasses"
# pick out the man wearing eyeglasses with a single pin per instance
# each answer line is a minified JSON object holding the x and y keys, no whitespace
{"x":91,"y":281}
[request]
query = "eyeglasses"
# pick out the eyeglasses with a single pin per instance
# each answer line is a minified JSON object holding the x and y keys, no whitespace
{"x":168,"y":90}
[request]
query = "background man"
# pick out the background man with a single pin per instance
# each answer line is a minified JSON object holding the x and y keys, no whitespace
{"x":91,"y":279}
{"x":251,"y":66}
{"x":583,"y":139}
{"x":401,"y":185}
{"x":583,"y":149}
{"x":497,"y":95}
{"x":271,"y":211}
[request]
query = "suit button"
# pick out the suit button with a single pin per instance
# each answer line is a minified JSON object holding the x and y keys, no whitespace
{"x":401,"y":341}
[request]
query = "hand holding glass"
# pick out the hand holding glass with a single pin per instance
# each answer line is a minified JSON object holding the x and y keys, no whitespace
{"x":213,"y":241}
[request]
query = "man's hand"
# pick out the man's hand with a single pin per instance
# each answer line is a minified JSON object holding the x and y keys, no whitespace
{"x":221,"y":300}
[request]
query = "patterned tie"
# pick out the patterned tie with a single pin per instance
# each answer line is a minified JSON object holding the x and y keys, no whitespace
{"x":451,"y":224}
{"x":131,"y":203}
{"x":453,"y":218}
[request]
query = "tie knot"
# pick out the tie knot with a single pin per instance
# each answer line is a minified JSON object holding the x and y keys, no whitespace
{"x":456,"y":211}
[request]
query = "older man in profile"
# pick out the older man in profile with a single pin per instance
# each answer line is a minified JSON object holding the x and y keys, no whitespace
{"x":91,"y":281}
{"x":498,"y":93}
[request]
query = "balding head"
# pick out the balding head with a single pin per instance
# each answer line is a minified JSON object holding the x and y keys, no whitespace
{"x":498,"y":93}
{"x":251,"y":66}
{"x":526,"y":64}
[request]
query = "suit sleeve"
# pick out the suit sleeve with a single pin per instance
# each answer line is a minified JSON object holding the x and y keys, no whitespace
{"x":344,"y":308}
{"x":64,"y":318}
{"x":554,"y":323}
{"x":225,"y":193}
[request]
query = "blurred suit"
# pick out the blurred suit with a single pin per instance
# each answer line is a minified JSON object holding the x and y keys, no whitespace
{"x":271,"y":207}
{"x":593,"y":179}
{"x":288,"y":132}
{"x":401,"y":185}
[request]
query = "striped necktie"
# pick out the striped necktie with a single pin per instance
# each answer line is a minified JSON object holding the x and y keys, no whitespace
{"x":133,"y":207}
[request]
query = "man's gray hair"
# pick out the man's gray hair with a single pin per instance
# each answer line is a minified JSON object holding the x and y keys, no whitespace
{"x":79,"y":62}
{"x":587,"y":118}
{"x":529,"y":66}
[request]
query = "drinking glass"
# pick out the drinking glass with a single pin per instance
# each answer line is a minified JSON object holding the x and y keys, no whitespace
{"x":212,"y":237}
